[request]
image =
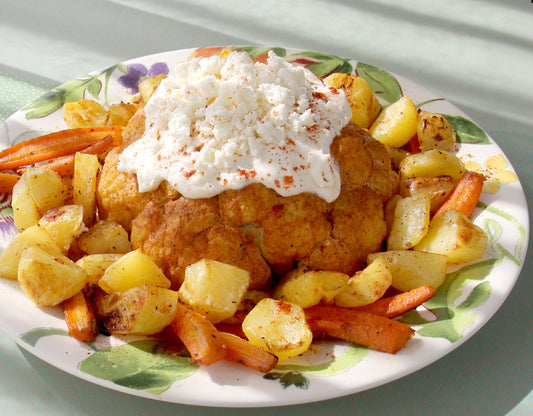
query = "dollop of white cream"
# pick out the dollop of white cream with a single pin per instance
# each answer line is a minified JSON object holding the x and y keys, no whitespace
{"x":222,"y":123}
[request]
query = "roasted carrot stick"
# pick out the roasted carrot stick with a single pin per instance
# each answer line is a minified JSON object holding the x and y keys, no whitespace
{"x":366,"y":329}
{"x":465,"y":196}
{"x":57,"y":144}
{"x":243,"y":352}
{"x":396,"y":305}
{"x":8,"y":181}
{"x":64,"y":165}
{"x":199,"y":335}
{"x":80,"y":319}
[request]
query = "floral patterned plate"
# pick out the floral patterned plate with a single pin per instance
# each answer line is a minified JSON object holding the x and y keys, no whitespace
{"x":152,"y":368}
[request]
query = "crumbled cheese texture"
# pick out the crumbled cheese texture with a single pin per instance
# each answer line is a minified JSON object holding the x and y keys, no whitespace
{"x":223,"y":123}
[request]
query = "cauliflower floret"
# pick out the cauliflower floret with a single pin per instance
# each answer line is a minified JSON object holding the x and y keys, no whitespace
{"x":256,"y":228}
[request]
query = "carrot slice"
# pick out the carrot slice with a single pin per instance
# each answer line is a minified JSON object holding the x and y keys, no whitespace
{"x":465,"y":196}
{"x":8,"y":181}
{"x":57,"y":144}
{"x":80,"y":318}
{"x":199,"y":335}
{"x":64,"y":165}
{"x":401,"y":303}
{"x":244,"y":352}
{"x":366,"y":329}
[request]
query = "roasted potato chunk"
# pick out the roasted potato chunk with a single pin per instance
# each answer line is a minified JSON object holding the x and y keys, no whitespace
{"x":454,"y":235}
{"x":279,"y":327}
{"x":84,"y":113}
{"x":120,"y":114}
{"x":396,"y":124}
{"x":366,"y":286}
{"x":37,"y":191}
{"x":411,"y":269}
{"x":432,"y":163}
{"x":49,"y":279}
{"x":96,"y":264}
{"x":84,"y":185}
{"x":410,"y":223}
{"x":438,"y":188}
{"x":214,"y":289}
{"x":364,"y":104}
{"x":63,"y":224}
{"x":434,"y":132}
{"x":105,"y":237}
{"x":143,"y":310}
{"x":33,"y":236}
{"x":310,"y":287}
{"x":131,"y":270}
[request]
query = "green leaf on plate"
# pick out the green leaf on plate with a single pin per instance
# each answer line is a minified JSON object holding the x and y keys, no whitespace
{"x":466,"y":130}
{"x":449,"y":319}
{"x":381,"y":82}
{"x":148,"y":365}
{"x":33,"y":336}
{"x":350,"y":357}
{"x":322,"y":64}
{"x":45,"y":105}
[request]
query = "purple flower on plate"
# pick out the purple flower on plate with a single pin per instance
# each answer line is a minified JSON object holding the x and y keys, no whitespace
{"x":137,"y":72}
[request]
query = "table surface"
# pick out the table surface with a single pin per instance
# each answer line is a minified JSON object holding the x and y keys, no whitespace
{"x":477,"y":54}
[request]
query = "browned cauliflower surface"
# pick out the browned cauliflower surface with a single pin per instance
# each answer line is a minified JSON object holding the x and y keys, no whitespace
{"x":255,"y":228}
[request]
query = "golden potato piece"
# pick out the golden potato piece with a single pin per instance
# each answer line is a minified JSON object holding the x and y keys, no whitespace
{"x":364,"y":104}
{"x":279,"y":327}
{"x":25,"y":212}
{"x":366,"y":286}
{"x":33,"y":236}
{"x":120,"y":114}
{"x":49,"y":279}
{"x":214,"y":289}
{"x":143,"y":310}
{"x":131,"y":270}
{"x":434,"y":132}
{"x":310,"y":287}
{"x":432,"y":163}
{"x":84,"y":185}
{"x":84,"y":113}
{"x":63,"y":224}
{"x":410,"y":223}
{"x":42,"y":186}
{"x":105,"y":237}
{"x":396,"y":124}
{"x":96,"y":264}
{"x":454,"y":235}
{"x":438,"y":188}
{"x":411,"y":269}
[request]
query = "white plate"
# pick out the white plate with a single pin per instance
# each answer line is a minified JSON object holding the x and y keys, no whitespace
{"x":467,"y":300}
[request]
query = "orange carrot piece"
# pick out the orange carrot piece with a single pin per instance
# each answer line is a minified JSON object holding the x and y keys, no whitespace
{"x":366,"y":329}
{"x":8,"y":181}
{"x":244,"y":352}
{"x":401,"y":303}
{"x":80,"y":318}
{"x":199,"y":335}
{"x":64,"y":165}
{"x":465,"y":196}
{"x":57,"y":144}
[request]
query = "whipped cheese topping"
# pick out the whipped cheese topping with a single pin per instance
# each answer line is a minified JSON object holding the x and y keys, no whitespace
{"x":222,"y":123}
